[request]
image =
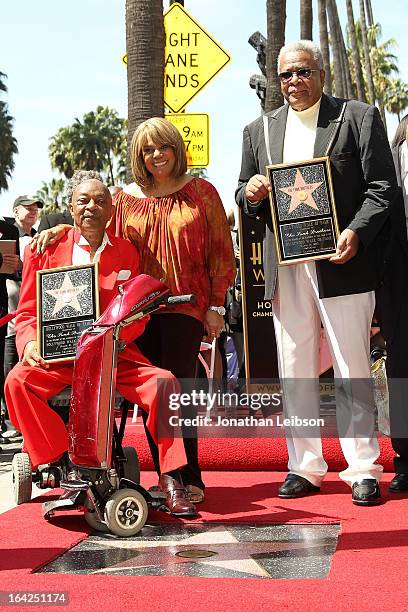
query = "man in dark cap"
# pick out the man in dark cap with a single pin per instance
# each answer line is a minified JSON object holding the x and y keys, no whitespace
{"x":25,"y":211}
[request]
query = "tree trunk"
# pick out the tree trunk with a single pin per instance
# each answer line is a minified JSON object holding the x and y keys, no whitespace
{"x":324,"y":45}
{"x":276,"y":22}
{"x":355,"y":51}
{"x":306,"y":20}
{"x":369,"y":13}
{"x":335,"y":42}
{"x":345,"y":68}
{"x":350,"y":90}
{"x":145,"y":42}
{"x":367,"y":60}
{"x":383,"y":116}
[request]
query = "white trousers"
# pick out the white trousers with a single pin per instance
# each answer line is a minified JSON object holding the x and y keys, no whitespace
{"x":298,"y":311}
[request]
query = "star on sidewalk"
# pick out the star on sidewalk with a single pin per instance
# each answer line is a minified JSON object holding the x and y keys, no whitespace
{"x":66,"y":295}
{"x":301,"y":192}
{"x":228,"y":553}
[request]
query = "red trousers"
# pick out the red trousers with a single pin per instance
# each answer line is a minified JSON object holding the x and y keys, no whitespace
{"x":28,"y":388}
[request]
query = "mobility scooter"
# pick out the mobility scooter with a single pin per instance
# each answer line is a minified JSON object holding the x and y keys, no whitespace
{"x":108,"y":488}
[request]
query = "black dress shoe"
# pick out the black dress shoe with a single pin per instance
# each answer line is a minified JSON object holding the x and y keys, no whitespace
{"x":366,"y":492}
{"x":399,"y":484}
{"x":296,"y":486}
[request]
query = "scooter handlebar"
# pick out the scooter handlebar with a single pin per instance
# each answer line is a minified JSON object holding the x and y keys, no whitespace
{"x":174,"y":300}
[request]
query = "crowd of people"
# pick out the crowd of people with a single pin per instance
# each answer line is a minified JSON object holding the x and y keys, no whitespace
{"x":173,"y":227}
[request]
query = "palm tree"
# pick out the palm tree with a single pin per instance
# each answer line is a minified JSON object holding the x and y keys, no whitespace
{"x":306,"y":20}
{"x":369,"y":13}
{"x":359,"y":80}
{"x":335,"y":43}
{"x":396,"y":97}
{"x":367,"y":60}
{"x":60,"y":152}
{"x":383,"y":63}
{"x":345,"y":68}
{"x":276,"y":22}
{"x":324,"y":45}
{"x":145,"y":42}
{"x":8,"y":144}
{"x":95,"y":143}
{"x":52,"y":194}
{"x":384,"y":66}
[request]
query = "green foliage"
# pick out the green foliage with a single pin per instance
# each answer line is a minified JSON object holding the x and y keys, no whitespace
{"x":8,"y":144}
{"x":391,"y":92}
{"x":396,"y":97}
{"x":52,"y":194}
{"x":98,"y":142}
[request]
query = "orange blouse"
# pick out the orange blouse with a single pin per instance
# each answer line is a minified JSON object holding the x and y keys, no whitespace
{"x":184,"y":240}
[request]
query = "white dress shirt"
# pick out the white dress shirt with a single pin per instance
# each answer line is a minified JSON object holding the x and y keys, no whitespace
{"x":82,"y":256}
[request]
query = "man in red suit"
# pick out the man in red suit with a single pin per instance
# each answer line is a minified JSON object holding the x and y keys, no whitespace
{"x":33,"y":381}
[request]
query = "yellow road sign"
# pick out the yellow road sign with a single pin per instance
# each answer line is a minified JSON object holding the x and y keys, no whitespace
{"x":192,"y":58}
{"x":124,"y":58}
{"x":194,"y":128}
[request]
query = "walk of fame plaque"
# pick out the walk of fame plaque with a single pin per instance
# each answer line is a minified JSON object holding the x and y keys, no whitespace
{"x":67,"y":304}
{"x":303,"y":210}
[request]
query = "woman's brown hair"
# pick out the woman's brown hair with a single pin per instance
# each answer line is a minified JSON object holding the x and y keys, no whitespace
{"x":161,"y":132}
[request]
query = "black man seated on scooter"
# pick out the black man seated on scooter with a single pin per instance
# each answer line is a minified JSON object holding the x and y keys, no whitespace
{"x":33,"y":381}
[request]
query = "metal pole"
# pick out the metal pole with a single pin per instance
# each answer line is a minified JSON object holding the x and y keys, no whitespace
{"x":177,"y":2}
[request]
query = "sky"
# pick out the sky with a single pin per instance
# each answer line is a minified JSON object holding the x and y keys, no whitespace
{"x":64,"y":59}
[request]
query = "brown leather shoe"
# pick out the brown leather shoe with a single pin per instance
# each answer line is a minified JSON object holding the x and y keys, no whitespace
{"x":177,"y":500}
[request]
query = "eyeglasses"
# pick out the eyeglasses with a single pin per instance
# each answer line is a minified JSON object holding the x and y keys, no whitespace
{"x":302,"y":73}
{"x":148,"y":151}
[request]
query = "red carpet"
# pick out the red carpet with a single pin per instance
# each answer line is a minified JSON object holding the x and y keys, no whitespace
{"x":369,"y":569}
{"x":250,"y":454}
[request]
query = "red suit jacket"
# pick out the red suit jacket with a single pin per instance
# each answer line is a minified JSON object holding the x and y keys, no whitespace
{"x":117,"y":256}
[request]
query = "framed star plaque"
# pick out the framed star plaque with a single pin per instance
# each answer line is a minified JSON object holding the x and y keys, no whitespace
{"x":67,"y":304}
{"x":303,"y":210}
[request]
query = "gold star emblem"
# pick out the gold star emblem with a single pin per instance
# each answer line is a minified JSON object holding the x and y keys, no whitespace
{"x":66,"y":295}
{"x":301,"y":192}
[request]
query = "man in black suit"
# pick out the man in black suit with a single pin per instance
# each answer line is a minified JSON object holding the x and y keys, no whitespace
{"x":339,"y":291}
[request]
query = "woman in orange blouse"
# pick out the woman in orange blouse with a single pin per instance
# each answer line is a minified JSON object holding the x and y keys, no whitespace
{"x":179,"y":226}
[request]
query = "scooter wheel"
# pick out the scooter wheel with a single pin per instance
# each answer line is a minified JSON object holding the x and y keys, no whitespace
{"x":126,"y":512}
{"x":92,"y":520}
{"x":131,"y":468}
{"x":22,"y":478}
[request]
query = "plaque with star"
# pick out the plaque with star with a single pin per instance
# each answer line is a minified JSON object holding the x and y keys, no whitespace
{"x":67,"y":304}
{"x":303,"y":210}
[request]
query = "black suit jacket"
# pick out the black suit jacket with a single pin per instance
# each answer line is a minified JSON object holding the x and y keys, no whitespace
{"x":54,"y":219}
{"x":364,"y":184}
{"x":7,"y":232}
